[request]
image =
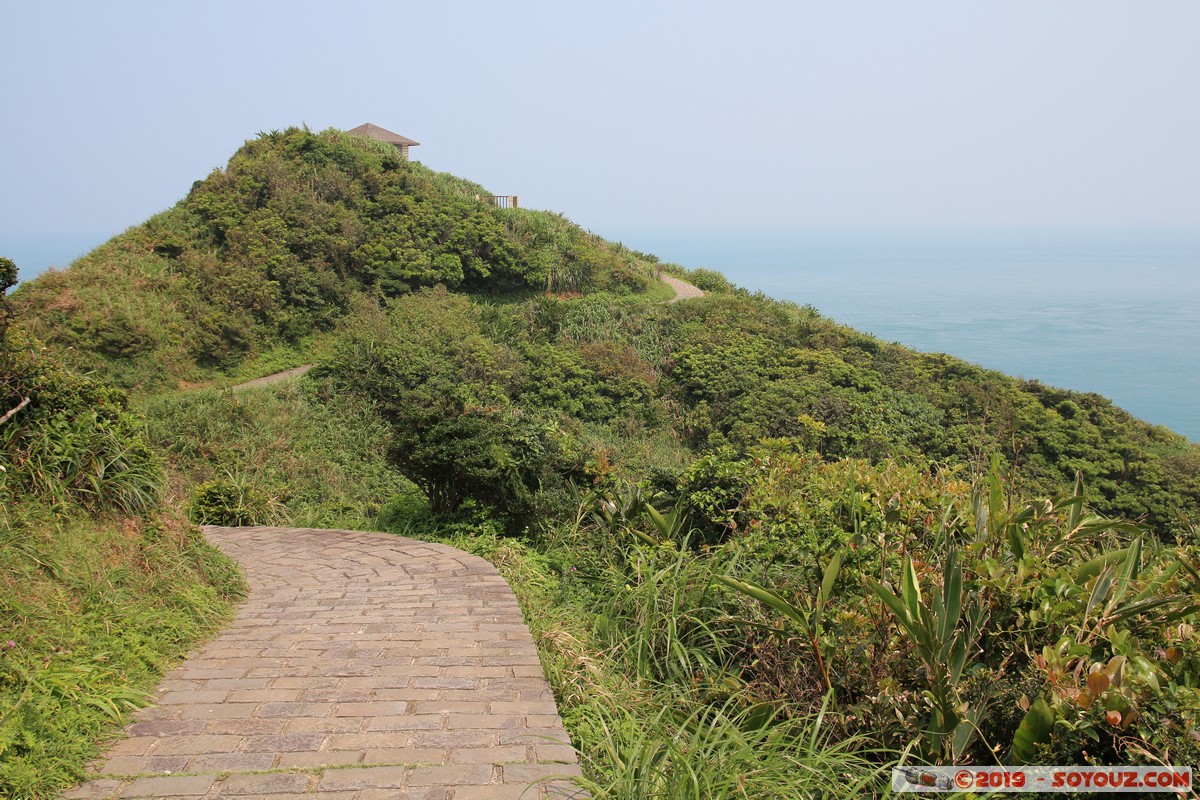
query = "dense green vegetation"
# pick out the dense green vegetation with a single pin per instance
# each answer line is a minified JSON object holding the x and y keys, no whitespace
{"x":760,"y":552}
{"x":282,"y":243}
{"x":101,"y":589}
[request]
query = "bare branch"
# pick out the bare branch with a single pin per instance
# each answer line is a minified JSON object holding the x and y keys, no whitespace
{"x":22,"y":404}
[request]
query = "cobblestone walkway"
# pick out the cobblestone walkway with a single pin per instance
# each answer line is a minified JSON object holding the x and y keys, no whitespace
{"x":362,"y":666}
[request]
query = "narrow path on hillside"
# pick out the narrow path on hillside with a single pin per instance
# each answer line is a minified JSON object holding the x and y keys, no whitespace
{"x":683,"y":289}
{"x":362,"y":666}
{"x":277,"y":377}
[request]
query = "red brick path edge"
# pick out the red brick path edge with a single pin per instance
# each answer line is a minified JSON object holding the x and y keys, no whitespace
{"x":362,"y":666}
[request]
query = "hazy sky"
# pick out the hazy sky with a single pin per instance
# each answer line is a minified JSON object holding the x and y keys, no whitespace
{"x":625,"y":116}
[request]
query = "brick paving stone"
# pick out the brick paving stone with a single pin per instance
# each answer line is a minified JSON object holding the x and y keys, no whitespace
{"x":489,"y":755}
{"x":260,"y":785}
{"x":230,"y":762}
{"x":181,"y":786}
{"x":419,"y":793}
{"x":138,"y":743}
{"x":364,"y":778}
{"x":451,"y":775}
{"x":527,"y":773}
{"x":153,"y":729}
{"x":362,"y":666}
{"x":310,"y":759}
{"x":322,"y":725}
{"x":98,"y":789}
{"x":245,"y":727}
{"x":137,"y":765}
{"x":217,"y":710}
{"x":405,"y":755}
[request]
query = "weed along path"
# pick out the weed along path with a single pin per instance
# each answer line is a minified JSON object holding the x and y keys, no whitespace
{"x":362,"y":666}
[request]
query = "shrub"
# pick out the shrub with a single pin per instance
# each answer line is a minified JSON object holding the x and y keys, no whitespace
{"x":447,"y":391}
{"x":75,"y":441}
{"x":232,"y":500}
{"x":710,"y":281}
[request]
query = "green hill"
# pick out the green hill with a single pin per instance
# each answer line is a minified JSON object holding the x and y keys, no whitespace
{"x":301,"y":231}
{"x":281,"y":243}
{"x":503,"y":379}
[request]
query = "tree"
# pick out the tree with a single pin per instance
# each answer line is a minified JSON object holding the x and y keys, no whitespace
{"x":447,"y":390}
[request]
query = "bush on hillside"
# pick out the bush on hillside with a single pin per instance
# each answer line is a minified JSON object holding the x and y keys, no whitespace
{"x":959,"y":620}
{"x":70,"y":440}
{"x":232,"y":500}
{"x":448,"y":392}
{"x":8,"y":279}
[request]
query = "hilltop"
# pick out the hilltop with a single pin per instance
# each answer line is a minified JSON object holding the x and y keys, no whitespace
{"x":283,"y":242}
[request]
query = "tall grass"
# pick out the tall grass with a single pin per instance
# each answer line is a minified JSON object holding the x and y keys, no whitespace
{"x":92,"y":612}
{"x":636,"y":643}
{"x":662,"y":613}
{"x":89,"y":460}
{"x":288,"y":453}
{"x":679,"y":752}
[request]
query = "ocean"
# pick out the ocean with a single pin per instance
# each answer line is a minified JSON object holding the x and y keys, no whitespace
{"x":1111,"y":312}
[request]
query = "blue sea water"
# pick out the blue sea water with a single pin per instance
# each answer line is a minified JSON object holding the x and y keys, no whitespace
{"x":1117,"y":313}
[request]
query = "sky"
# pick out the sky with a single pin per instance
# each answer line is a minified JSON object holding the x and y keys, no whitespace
{"x":626,"y":116}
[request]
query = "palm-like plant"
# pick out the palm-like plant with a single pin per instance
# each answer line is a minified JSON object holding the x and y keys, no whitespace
{"x":944,"y":634}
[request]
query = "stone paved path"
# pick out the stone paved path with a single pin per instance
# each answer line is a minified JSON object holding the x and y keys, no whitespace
{"x":362,"y":666}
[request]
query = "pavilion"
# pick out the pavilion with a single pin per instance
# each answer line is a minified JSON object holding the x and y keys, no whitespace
{"x":402,"y":143}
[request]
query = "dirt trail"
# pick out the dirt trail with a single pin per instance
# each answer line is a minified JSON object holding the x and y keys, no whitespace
{"x":278,"y":377}
{"x":683,"y":289}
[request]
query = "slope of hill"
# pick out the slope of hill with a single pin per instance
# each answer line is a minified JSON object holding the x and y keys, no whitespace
{"x":102,"y":585}
{"x":280,"y":244}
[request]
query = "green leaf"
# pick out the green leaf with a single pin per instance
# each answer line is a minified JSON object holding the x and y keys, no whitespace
{"x":831,"y":572}
{"x":890,"y":599}
{"x":958,"y":658}
{"x":770,"y":598}
{"x":912,"y":590}
{"x":1133,"y":562}
{"x":960,"y":740}
{"x":1076,"y":503}
{"x":1096,"y":565}
{"x":658,"y":519}
{"x":1130,"y":610}
{"x":995,"y":496}
{"x":1034,"y":729}
{"x":1099,"y":592}
{"x":953,"y":583}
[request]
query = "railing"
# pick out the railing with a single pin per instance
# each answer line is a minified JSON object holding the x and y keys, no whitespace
{"x":499,"y":200}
